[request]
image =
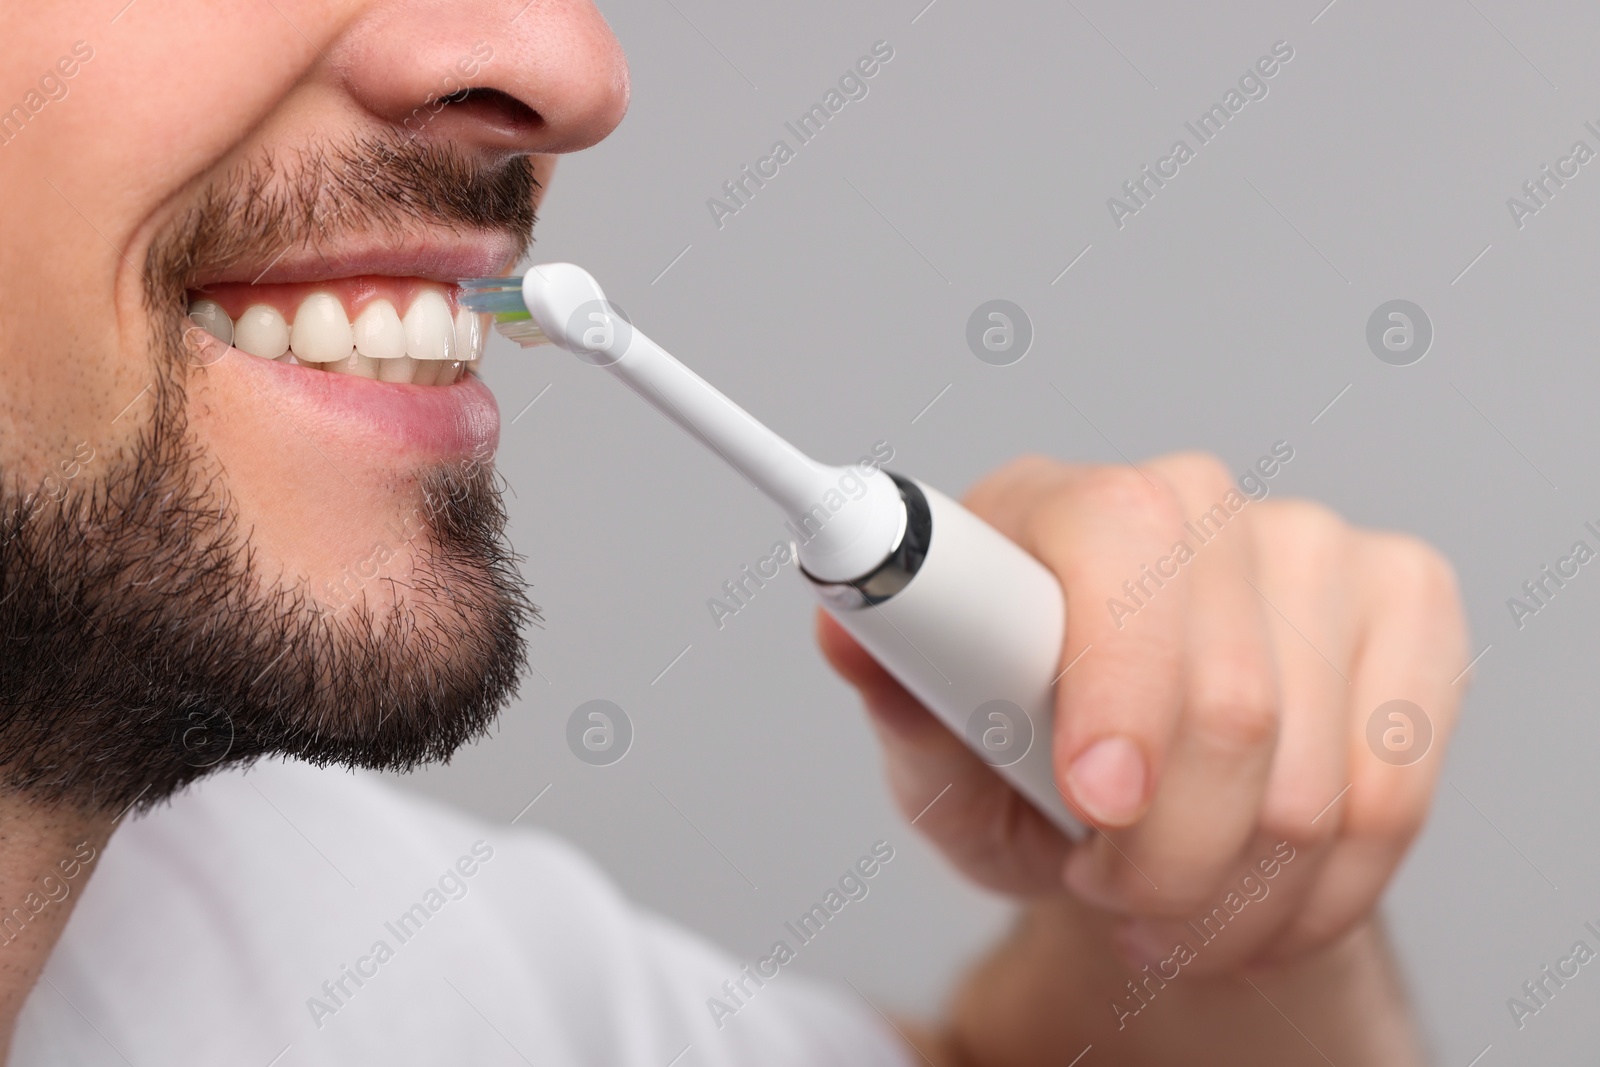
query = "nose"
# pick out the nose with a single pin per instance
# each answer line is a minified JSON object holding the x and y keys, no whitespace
{"x":538,"y":76}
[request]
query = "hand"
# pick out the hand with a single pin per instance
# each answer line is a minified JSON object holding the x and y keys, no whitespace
{"x":1213,"y":726}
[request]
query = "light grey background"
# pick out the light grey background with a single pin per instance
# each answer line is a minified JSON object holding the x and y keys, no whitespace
{"x":1225,"y":316}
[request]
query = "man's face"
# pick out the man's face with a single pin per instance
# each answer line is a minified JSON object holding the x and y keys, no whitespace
{"x":207,"y":553}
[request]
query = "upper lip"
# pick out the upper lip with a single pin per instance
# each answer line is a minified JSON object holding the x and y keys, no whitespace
{"x":431,"y":253}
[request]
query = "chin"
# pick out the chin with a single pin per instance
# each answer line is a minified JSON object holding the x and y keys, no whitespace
{"x":190,"y":651}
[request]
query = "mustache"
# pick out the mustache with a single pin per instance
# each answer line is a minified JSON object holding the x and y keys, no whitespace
{"x":313,"y":195}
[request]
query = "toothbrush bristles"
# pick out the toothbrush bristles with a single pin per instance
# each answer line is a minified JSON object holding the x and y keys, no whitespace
{"x":502,"y":298}
{"x":523,"y":330}
{"x":492,"y":295}
{"x":494,"y":301}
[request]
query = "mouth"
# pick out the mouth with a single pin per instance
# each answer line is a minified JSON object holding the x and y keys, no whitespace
{"x":365,"y":339}
{"x":404,"y":331}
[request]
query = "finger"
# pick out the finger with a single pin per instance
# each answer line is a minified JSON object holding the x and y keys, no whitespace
{"x":1311,"y":619}
{"x":1301,"y":583}
{"x":1097,"y":529}
{"x":1258,"y":897}
{"x":1313,"y":616}
{"x":1413,"y":649}
{"x":1206,"y":811}
{"x":981,"y":824}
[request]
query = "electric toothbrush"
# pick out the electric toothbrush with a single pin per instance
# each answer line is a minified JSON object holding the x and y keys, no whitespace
{"x":961,"y":616}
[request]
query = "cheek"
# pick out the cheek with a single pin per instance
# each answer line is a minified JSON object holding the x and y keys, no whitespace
{"x":66,"y":373}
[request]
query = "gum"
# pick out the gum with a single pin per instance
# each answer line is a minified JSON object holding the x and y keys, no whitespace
{"x":354,"y":293}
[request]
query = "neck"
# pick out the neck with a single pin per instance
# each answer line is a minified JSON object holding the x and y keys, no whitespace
{"x":46,"y":857}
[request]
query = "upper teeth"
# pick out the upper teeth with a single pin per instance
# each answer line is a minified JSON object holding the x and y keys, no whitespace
{"x":320,"y":332}
{"x":429,"y":332}
{"x":426,"y":347}
{"x":378,"y":332}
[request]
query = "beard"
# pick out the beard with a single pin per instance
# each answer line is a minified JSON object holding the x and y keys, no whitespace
{"x":141,"y":644}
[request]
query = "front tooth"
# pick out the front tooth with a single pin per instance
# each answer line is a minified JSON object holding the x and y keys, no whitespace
{"x":209,"y":316}
{"x":469,"y":335}
{"x":429,"y":332}
{"x":379,"y":333}
{"x":321,"y":332}
{"x":261,"y":331}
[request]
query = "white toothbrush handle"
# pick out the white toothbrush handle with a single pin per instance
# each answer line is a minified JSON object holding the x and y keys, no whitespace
{"x":967,"y":621}
{"x":976,"y":636}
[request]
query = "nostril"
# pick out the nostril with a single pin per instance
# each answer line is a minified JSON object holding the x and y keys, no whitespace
{"x":496,"y":107}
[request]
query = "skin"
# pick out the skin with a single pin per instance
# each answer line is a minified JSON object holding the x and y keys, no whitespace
{"x":1240,"y":731}
{"x":1244,"y":689}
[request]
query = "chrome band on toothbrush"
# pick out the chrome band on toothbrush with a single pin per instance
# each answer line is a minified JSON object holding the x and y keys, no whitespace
{"x":897,"y":569}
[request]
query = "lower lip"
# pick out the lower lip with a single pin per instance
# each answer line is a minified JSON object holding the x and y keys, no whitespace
{"x":440,"y":420}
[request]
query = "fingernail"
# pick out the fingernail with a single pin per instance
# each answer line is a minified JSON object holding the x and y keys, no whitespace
{"x":1107,"y":781}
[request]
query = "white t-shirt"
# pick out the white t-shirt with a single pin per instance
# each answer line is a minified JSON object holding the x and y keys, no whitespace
{"x":290,"y":916}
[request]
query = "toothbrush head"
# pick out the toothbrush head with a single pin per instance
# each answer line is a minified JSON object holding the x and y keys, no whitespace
{"x":554,"y":303}
{"x":502,"y":298}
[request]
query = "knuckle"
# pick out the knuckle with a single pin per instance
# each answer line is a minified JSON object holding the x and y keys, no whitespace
{"x":1386,"y":816}
{"x":997,"y":490}
{"x":1026,"y":469}
{"x":1304,"y":542}
{"x":1417,"y":572}
{"x":1235,"y":707}
{"x":1032,"y":464}
{"x":1306,"y":527}
{"x":1304,"y":815}
{"x":1317,"y":929}
{"x":1201,"y":472}
{"x":1418,"y":586}
{"x":1135,"y":499}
